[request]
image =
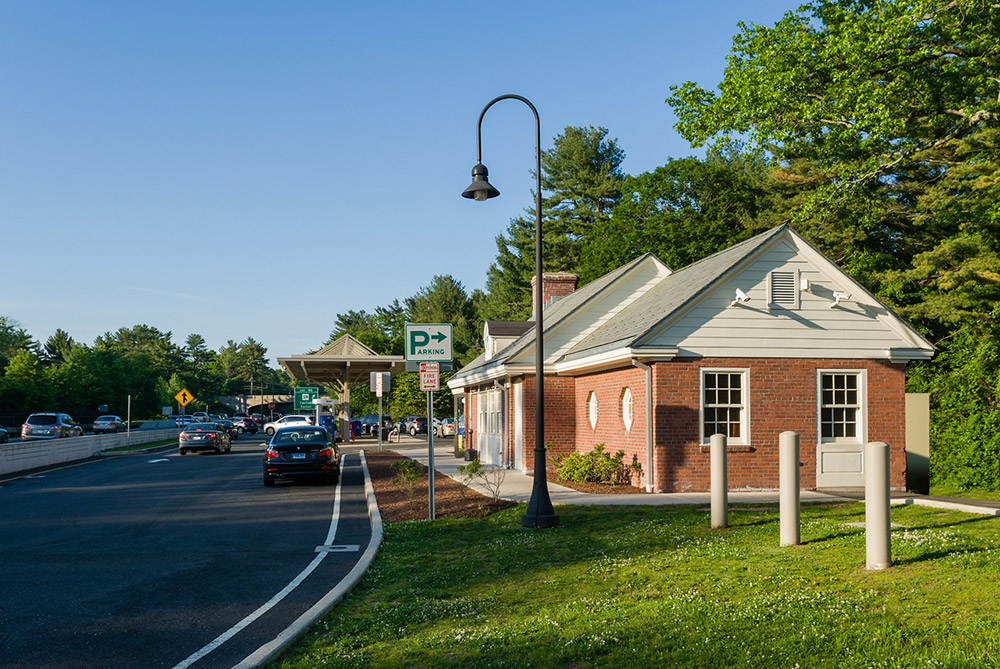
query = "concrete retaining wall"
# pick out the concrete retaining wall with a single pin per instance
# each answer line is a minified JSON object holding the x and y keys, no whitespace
{"x":18,"y":456}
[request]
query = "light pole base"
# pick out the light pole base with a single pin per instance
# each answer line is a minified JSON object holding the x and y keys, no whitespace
{"x":540,"y":521}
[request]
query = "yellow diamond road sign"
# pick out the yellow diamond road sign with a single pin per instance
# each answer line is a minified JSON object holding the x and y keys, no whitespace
{"x":183,"y":397}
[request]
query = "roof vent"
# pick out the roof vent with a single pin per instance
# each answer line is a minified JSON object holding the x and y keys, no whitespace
{"x":783,"y":288}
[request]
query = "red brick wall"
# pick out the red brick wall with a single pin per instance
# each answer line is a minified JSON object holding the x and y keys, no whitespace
{"x":560,"y":418}
{"x":610,"y":429}
{"x":782,"y":396}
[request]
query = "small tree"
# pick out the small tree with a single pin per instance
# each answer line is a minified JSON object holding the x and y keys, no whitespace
{"x":489,"y":476}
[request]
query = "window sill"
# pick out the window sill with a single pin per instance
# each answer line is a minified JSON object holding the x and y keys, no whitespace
{"x":731,"y":448}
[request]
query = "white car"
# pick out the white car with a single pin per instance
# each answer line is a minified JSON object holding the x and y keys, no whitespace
{"x":285,"y":421}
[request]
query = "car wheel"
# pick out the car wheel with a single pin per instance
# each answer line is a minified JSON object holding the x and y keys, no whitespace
{"x":269,"y":431}
{"x":239,"y":430}
{"x":218,"y":448}
{"x":268,"y":481}
{"x":184,"y":451}
{"x":413,"y":431}
{"x":335,"y":477}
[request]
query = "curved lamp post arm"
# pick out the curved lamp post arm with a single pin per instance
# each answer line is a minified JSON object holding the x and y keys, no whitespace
{"x":540,"y":512}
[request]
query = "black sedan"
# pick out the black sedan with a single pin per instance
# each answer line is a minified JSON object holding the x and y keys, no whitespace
{"x":230,"y":427}
{"x":205,"y":437}
{"x":301,"y":451}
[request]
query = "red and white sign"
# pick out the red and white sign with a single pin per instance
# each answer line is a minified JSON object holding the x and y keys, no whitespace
{"x":430,"y":376}
{"x":378,"y":385}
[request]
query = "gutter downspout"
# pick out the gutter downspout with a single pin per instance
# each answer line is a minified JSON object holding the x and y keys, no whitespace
{"x":649,"y":422}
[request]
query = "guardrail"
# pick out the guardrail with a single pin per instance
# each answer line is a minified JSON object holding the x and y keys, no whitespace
{"x":18,"y":456}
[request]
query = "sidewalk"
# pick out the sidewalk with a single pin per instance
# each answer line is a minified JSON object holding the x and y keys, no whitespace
{"x":516,"y":486}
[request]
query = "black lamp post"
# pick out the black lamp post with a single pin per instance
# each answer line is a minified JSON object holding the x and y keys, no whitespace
{"x":540,"y":512}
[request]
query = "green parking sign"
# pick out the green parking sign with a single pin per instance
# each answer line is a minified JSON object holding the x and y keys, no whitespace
{"x":304,"y":398}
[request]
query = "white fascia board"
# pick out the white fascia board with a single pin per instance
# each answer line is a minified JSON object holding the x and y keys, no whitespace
{"x":908,"y":354}
{"x":616,"y":358}
{"x":491,"y":374}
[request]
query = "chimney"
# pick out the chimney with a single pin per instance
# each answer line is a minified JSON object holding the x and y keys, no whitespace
{"x":554,"y":285}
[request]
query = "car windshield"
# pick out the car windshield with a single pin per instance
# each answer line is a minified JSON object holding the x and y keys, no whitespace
{"x":298,"y":436}
{"x":41,"y":420}
{"x":105,"y":418}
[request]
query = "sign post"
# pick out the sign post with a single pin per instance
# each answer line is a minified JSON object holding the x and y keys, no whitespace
{"x":379,"y":385}
{"x":429,"y":344}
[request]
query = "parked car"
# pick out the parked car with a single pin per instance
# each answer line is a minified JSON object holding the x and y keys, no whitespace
{"x":246,"y":424}
{"x":50,"y":425}
{"x":203,"y":436}
{"x":109,"y":424}
{"x":301,"y":451}
{"x":369,"y":421}
{"x":444,"y":427}
{"x":257,"y":418}
{"x":414,"y":425}
{"x":285,"y":421}
{"x":4,"y":437}
{"x":183,"y":420}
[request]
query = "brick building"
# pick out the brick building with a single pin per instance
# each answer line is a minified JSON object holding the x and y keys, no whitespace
{"x":766,"y":336}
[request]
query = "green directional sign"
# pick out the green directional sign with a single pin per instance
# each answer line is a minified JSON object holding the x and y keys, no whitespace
{"x":304,"y":398}
{"x":428,"y":342}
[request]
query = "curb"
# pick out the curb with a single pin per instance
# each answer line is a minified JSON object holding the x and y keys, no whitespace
{"x":269,"y":652}
{"x":941,"y":504}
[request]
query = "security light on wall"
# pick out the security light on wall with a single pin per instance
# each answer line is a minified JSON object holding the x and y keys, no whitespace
{"x":837,"y":297}
{"x":740,"y":297}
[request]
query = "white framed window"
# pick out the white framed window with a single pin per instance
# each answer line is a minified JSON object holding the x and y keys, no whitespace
{"x":841,"y":398}
{"x":724,"y":394}
{"x":783,"y":289}
{"x":592,"y":409}
{"x":627,"y":414}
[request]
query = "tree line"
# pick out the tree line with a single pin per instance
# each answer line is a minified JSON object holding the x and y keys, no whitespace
{"x":139,"y":362}
{"x":872,"y":128}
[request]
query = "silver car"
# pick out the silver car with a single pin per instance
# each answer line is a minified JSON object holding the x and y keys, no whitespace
{"x":112,"y":424}
{"x":50,"y":425}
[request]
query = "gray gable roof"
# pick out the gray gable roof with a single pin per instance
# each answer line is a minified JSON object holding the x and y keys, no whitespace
{"x":552,"y":315}
{"x":665,"y":298}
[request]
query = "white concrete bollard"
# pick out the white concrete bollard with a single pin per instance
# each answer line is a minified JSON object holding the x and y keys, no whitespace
{"x":720,"y":482}
{"x":788,"y":477}
{"x":877,"y":542}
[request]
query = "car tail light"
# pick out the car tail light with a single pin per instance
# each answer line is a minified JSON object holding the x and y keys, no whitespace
{"x":326,"y":453}
{"x":272,"y":454}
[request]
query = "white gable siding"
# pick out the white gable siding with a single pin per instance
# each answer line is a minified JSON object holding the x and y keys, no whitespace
{"x":599,"y":310}
{"x":711,"y":326}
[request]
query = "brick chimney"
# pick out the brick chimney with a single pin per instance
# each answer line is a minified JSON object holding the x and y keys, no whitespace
{"x":554,"y":284}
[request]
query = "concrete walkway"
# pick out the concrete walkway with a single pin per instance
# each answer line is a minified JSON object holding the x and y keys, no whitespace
{"x":516,"y":486}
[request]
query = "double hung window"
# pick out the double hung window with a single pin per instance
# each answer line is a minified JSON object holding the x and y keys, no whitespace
{"x":723,"y":404}
{"x":840,"y":406}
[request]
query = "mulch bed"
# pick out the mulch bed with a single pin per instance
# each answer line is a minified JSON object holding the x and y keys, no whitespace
{"x":598,"y":488}
{"x":451,"y":498}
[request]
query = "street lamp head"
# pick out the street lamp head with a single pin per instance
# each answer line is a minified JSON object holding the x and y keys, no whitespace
{"x":480,"y":188}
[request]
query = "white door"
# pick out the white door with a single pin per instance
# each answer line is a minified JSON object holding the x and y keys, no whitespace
{"x":491,"y":427}
{"x":840,"y":461}
{"x":518,"y":427}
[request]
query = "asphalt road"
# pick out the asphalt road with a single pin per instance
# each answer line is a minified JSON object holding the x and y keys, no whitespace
{"x":159,"y":560}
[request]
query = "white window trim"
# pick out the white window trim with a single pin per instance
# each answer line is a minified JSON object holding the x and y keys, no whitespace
{"x":862,"y":437}
{"x":795,"y":290}
{"x":744,"y":416}
{"x":593,"y":409}
{"x":628,"y":418}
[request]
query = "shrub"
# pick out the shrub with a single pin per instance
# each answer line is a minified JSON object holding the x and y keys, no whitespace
{"x":597,"y":467}
{"x":407,"y":472}
{"x":490,"y":477}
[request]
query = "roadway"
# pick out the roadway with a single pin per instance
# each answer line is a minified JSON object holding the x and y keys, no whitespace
{"x":162,"y":560}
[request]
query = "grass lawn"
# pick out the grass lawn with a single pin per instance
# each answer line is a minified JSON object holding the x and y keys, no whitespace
{"x":655,"y":587}
{"x":946,"y":491}
{"x":143,"y":446}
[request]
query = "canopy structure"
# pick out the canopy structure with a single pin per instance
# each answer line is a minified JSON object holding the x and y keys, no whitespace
{"x":341,"y":363}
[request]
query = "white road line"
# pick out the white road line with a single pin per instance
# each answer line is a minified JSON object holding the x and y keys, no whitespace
{"x":158,"y":460}
{"x":235,"y":629}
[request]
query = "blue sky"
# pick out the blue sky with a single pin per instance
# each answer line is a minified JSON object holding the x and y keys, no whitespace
{"x":251,"y":168}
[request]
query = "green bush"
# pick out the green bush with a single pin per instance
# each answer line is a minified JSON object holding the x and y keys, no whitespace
{"x":408,"y":472}
{"x":596,"y":467}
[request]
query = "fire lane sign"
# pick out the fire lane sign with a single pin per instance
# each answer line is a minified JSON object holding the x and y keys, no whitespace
{"x":428,"y":342}
{"x":430,"y":376}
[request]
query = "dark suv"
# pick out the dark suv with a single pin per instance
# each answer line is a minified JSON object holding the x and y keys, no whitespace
{"x":369,"y":421}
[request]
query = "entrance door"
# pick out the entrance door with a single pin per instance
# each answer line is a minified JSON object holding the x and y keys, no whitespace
{"x":491,"y":427}
{"x":518,"y":427}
